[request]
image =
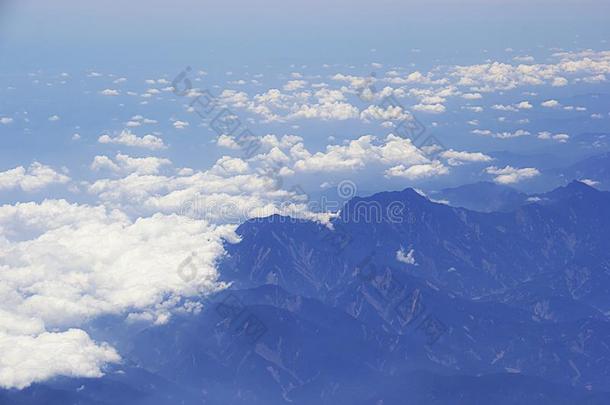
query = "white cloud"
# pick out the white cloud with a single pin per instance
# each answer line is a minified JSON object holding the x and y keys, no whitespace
{"x":430,"y":108}
{"x":53,"y":118}
{"x":326,"y":111}
{"x":109,"y":92}
{"x":34,"y":178}
{"x":561,"y":138}
{"x":405,"y":257}
{"x":418,"y":172}
{"x":455,"y":158}
{"x":472,"y":96}
{"x":495,"y":76}
{"x":226,"y":141}
{"x":507,"y":135}
{"x":550,"y":104}
{"x":126,"y":164}
{"x":180,"y":124}
{"x":501,"y":107}
{"x":391,"y":113}
{"x":511,"y":175}
{"x":293,"y":85}
{"x":6,"y":120}
{"x":589,"y":182}
{"x":360,"y":152}
{"x":32,"y":358}
{"x":127,"y":138}
{"x":64,"y":264}
{"x":595,"y":79}
{"x":526,"y":58}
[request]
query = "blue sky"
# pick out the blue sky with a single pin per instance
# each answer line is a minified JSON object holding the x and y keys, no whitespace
{"x":103,"y":150}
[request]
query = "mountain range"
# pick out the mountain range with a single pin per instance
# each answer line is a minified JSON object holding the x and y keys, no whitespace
{"x":398,"y":300}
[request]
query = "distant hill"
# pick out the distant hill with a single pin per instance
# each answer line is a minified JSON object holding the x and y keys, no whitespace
{"x":482,"y":196}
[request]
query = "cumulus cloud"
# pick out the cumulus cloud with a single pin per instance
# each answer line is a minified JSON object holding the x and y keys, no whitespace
{"x":128,"y":138}
{"x":32,"y":358}
{"x":126,"y":164}
{"x":561,"y":138}
{"x":324,"y":104}
{"x":430,"y":108}
{"x":109,"y":92}
{"x":495,"y":76}
{"x":550,"y":104}
{"x":511,"y":175}
{"x":456,"y":158}
{"x":180,"y":124}
{"x":293,"y":85}
{"x":390,"y":113}
{"x":418,"y":172}
{"x":64,"y":264}
{"x":226,"y":141}
{"x":6,"y":120}
{"x":34,"y":178}
{"x":359,"y":152}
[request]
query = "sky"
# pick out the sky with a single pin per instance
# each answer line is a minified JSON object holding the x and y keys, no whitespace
{"x":133,"y":136}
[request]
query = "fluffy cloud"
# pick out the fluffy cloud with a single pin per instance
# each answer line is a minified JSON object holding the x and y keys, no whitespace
{"x":361,"y":151}
{"x":293,"y":85}
{"x":34,"y":178}
{"x":550,"y":104}
{"x":430,"y":108}
{"x":64,"y":264}
{"x":511,"y":175}
{"x":391,"y":113}
{"x":6,"y":120}
{"x":495,"y":76}
{"x":455,"y":158}
{"x":561,"y":138}
{"x":324,"y":104}
{"x":128,"y":138}
{"x":418,"y":172}
{"x":26,"y":359}
{"x":501,"y":135}
{"x":560,"y":82}
{"x":180,"y":124}
{"x":109,"y":92}
{"x":125,"y":164}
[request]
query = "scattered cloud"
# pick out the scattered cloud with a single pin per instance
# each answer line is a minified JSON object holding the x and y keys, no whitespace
{"x":109,"y":92}
{"x":418,"y":172}
{"x":34,"y":178}
{"x":125,"y":164}
{"x":511,"y":175}
{"x":406,"y":257}
{"x":128,"y":138}
{"x":550,"y":104}
{"x":455,"y":158}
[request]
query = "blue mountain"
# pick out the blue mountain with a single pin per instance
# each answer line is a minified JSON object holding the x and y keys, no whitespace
{"x":398,"y":300}
{"x":482,"y":196}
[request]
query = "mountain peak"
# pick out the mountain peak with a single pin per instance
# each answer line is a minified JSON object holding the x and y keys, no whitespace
{"x":385,"y":205}
{"x":572,"y":190}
